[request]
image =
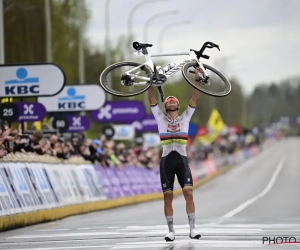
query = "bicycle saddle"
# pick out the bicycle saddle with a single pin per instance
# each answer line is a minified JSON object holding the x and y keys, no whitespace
{"x":138,"y":46}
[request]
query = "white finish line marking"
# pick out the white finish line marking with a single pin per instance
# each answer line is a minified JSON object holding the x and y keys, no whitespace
{"x":61,"y":235}
{"x":51,"y":230}
{"x":57,"y":248}
{"x":262,"y":194}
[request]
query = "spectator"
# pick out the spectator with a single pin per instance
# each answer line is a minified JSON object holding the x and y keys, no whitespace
{"x":31,"y":143}
{"x":3,"y":152}
{"x":53,"y":140}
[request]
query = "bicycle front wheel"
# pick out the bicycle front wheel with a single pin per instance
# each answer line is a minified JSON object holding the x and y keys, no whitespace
{"x":126,"y":79}
{"x":217,"y":84}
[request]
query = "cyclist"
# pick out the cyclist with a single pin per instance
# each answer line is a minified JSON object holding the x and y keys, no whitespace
{"x":173,"y":131}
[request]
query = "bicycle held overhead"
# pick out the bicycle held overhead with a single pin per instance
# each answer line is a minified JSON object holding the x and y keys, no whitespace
{"x":172,"y":127}
{"x":127,"y":79}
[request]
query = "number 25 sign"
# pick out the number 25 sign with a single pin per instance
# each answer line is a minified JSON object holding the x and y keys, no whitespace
{"x":9,"y":112}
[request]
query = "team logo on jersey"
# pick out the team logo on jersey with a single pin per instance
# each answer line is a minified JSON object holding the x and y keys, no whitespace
{"x":173,"y":127}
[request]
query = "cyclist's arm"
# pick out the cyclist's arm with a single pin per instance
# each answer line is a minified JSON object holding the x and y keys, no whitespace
{"x":158,"y":114}
{"x":151,"y":96}
{"x":196,"y":93}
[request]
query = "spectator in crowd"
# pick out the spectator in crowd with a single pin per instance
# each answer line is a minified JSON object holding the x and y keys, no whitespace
{"x":30,"y":143}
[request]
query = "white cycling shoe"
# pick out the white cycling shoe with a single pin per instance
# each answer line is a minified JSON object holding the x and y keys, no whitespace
{"x":194,"y":234}
{"x":170,"y":236}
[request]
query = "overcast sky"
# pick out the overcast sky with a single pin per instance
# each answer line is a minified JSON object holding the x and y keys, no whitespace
{"x":259,"y":39}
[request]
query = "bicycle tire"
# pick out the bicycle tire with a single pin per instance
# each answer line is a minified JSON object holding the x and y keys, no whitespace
{"x":103,"y":81}
{"x":212,"y":93}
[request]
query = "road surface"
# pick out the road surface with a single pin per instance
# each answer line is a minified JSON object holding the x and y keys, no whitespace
{"x":255,"y":201}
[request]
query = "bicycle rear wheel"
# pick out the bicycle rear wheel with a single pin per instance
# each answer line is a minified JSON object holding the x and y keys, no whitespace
{"x":116,"y":81}
{"x":217,"y":84}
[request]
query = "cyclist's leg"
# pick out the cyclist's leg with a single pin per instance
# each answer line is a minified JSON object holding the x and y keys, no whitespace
{"x":185,"y":180}
{"x":167,"y":176}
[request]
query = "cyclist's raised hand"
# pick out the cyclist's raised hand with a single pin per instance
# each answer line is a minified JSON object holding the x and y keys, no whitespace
{"x":151,"y":96}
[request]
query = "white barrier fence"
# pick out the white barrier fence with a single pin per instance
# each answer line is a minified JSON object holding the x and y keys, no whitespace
{"x":32,"y":186}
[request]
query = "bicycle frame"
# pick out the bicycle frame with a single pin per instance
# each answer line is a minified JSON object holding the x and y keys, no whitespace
{"x":191,"y":57}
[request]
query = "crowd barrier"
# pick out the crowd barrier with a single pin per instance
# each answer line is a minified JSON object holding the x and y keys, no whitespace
{"x":36,"y":189}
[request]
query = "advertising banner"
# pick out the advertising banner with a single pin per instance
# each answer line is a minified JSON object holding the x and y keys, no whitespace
{"x":6,"y":203}
{"x":134,"y":180}
{"x":147,"y":124}
{"x":20,"y":186}
{"x":146,"y":186}
{"x":64,"y":180}
{"x":31,"y":112}
{"x":83,"y":97}
{"x":124,"y":182}
{"x":30,"y":80}
{"x":93,"y":182}
{"x":152,"y":180}
{"x":89,"y":183}
{"x":42,"y":185}
{"x":120,"y":111}
{"x":14,"y":196}
{"x":115,"y":182}
{"x":54,"y":179}
{"x":105,"y":182}
{"x":151,"y":139}
{"x":74,"y":183}
{"x":78,"y":123}
{"x":123,"y":132}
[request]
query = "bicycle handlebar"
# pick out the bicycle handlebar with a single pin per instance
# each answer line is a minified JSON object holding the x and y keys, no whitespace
{"x":209,"y":45}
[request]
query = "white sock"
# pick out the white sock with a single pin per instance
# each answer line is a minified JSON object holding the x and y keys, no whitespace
{"x":191,"y":220}
{"x":170,"y":223}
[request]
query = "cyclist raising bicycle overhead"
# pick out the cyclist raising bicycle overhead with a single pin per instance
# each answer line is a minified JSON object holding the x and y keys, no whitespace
{"x":173,"y":131}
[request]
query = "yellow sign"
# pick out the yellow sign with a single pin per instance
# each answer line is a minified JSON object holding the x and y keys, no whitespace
{"x":38,"y":125}
{"x":215,"y":121}
{"x":4,"y":100}
{"x":208,"y":139}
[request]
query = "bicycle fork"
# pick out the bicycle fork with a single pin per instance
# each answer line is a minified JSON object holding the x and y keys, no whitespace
{"x":205,"y":77}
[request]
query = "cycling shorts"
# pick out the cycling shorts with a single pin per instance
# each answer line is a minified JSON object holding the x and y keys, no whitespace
{"x":171,"y":165}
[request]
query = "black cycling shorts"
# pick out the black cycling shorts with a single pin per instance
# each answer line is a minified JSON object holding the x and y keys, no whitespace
{"x":175,"y":163}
